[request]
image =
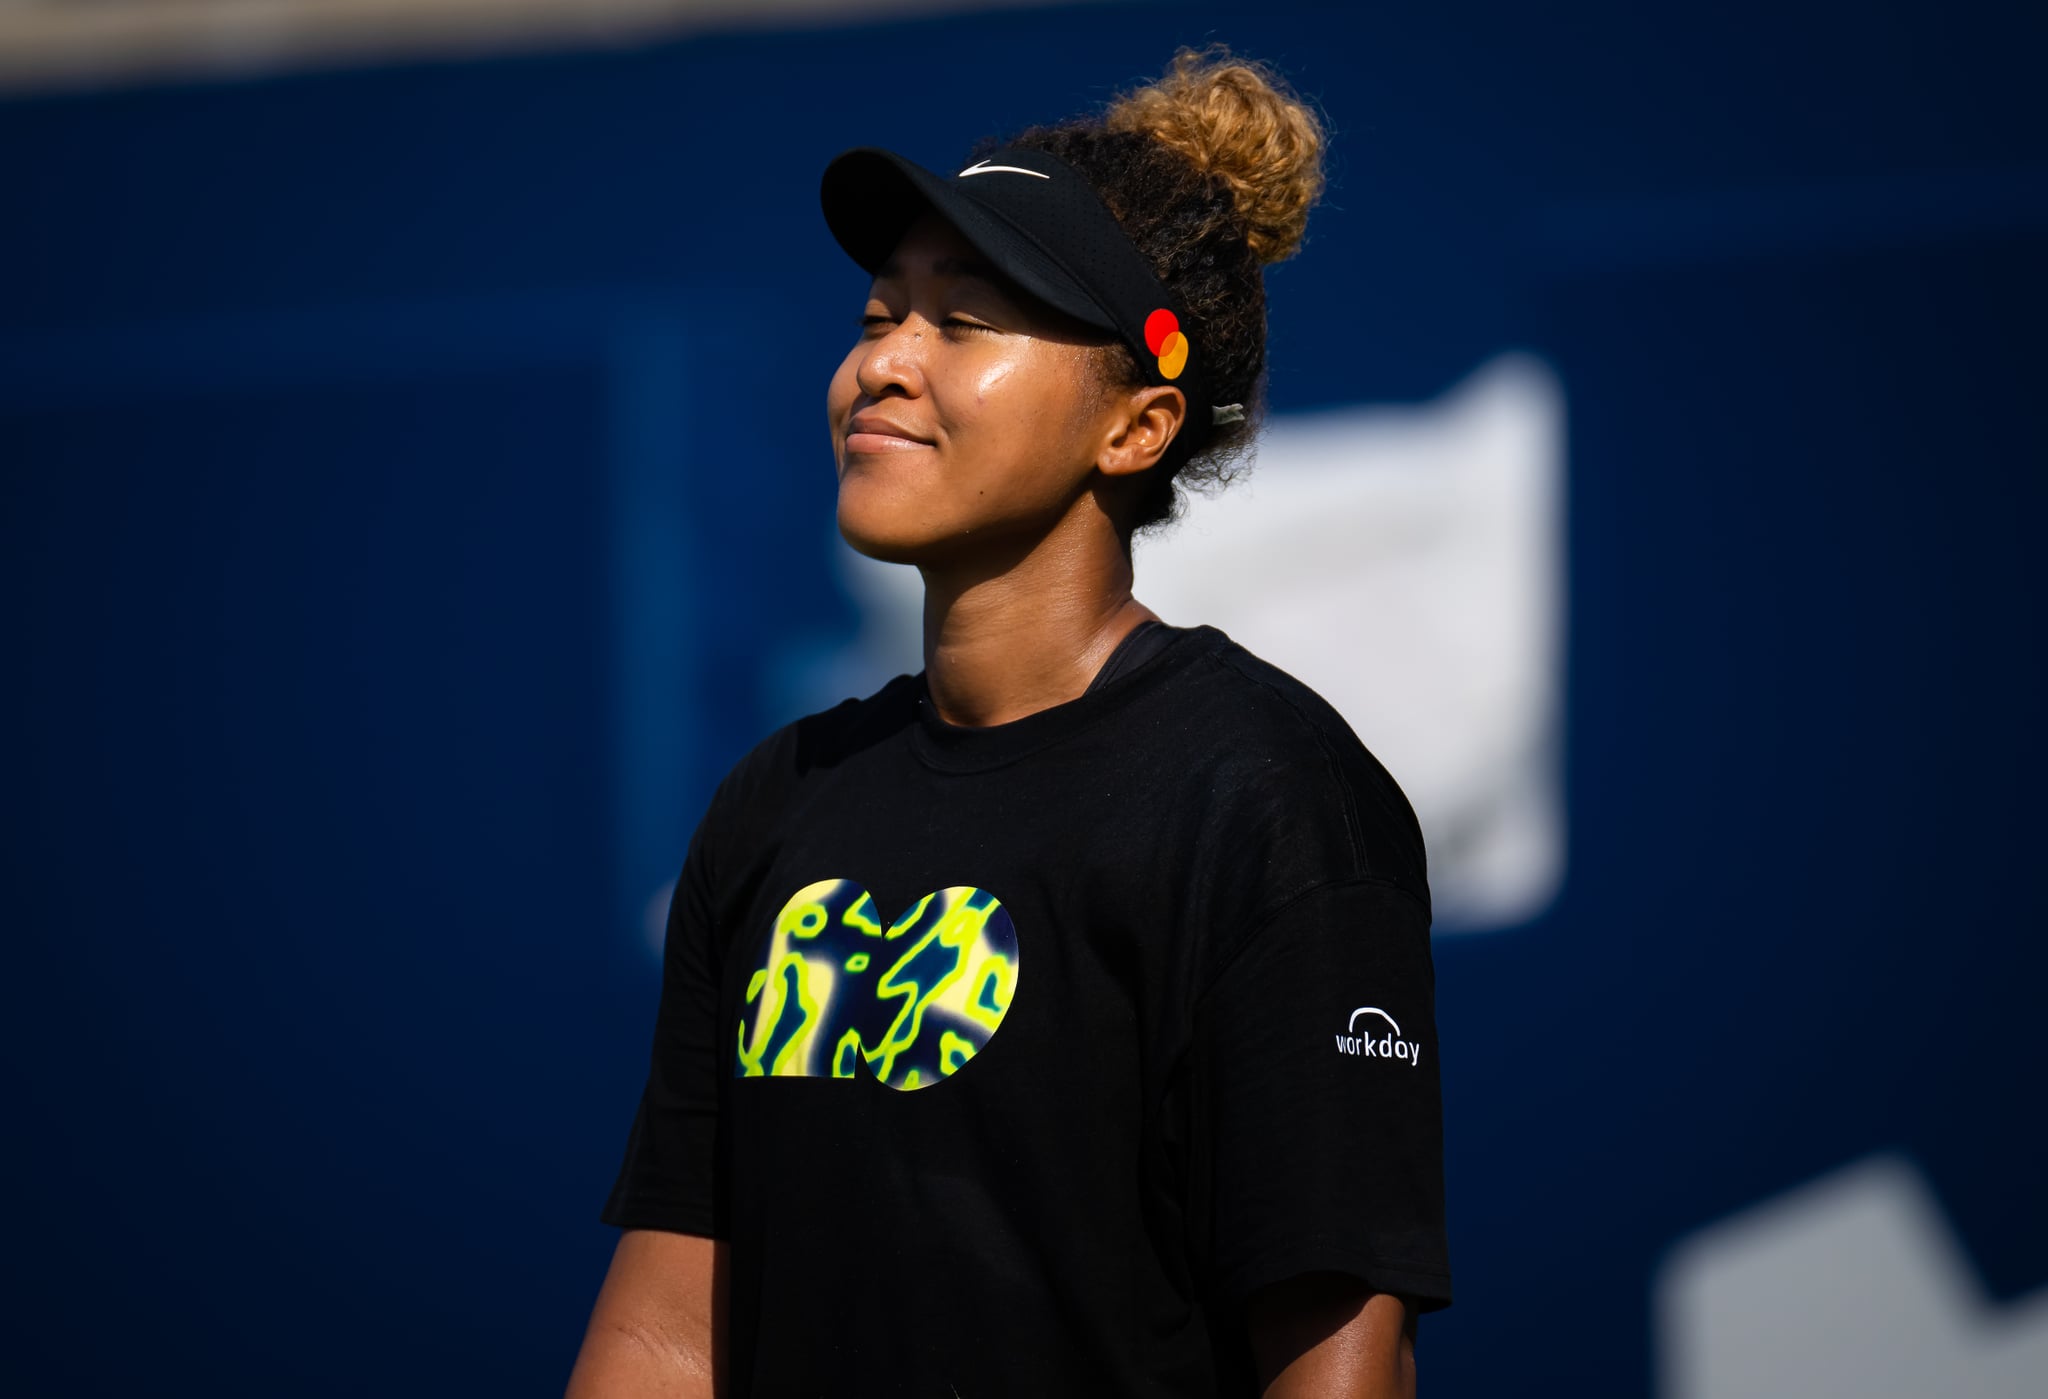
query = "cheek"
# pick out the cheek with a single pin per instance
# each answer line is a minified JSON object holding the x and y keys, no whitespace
{"x":989,"y":383}
{"x":1016,"y":408}
{"x":843,"y":387}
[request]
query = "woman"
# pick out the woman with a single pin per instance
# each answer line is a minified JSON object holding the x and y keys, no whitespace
{"x":1057,"y":1020}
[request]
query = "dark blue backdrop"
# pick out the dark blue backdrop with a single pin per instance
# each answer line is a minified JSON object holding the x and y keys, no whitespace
{"x":409,"y":474}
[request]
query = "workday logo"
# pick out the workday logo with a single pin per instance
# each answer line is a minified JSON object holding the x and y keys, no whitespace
{"x":1374,"y":1044}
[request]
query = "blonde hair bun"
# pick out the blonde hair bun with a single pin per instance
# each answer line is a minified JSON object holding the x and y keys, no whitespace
{"x":1236,"y":120}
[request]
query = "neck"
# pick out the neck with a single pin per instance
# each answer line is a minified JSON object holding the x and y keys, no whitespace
{"x":1021,"y":628}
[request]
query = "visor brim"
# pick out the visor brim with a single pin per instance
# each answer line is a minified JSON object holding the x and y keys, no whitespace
{"x":871,"y":197}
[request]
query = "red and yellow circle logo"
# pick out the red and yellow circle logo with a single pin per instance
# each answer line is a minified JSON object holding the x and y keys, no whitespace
{"x":1163,"y":338}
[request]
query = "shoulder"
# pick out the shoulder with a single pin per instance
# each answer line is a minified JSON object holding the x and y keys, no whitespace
{"x":761,"y":782}
{"x":1290,"y":777}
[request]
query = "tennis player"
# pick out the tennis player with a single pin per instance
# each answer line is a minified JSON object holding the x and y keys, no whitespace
{"x":1058,"y":1020}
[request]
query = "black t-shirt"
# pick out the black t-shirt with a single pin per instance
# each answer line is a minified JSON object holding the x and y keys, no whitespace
{"x":1138,"y":645}
{"x":1011,"y":1059}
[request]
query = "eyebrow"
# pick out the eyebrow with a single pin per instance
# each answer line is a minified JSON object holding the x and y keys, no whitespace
{"x":951,"y":267}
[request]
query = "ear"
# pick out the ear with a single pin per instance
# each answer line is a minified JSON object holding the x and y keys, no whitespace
{"x":1144,"y":422}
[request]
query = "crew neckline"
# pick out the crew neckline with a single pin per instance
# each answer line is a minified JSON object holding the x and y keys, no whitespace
{"x":974,"y":748}
{"x":1138,"y":645}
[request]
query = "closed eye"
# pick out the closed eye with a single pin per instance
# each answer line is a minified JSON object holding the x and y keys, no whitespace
{"x":953,"y":321}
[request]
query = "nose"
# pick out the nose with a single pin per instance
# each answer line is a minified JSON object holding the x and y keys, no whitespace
{"x":895,"y":358}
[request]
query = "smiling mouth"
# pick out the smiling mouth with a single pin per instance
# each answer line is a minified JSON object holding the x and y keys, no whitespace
{"x":870,"y":442}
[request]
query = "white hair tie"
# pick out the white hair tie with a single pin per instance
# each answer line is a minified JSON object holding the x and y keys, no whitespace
{"x":1226,"y":412}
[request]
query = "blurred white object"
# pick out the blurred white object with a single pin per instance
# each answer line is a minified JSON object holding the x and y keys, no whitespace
{"x":1850,"y":1285}
{"x":50,"y":44}
{"x":1406,"y":563}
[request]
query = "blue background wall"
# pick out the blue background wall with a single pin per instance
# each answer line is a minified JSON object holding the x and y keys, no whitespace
{"x":414,"y":475}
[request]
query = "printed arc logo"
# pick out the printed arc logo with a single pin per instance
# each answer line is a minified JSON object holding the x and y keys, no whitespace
{"x":914,"y":1001}
{"x":982,"y":167}
{"x":1387,"y":1046}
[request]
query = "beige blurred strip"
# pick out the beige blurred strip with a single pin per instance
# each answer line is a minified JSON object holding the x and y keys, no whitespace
{"x":68,"y":44}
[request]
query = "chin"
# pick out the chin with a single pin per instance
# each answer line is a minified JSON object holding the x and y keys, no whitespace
{"x":883,"y":529}
{"x":912,"y":519}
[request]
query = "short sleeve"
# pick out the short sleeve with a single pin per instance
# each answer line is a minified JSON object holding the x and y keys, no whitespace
{"x":1318,"y":1107}
{"x":670,"y":1176}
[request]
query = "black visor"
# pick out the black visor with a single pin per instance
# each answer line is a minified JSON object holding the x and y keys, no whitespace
{"x":1045,"y":228}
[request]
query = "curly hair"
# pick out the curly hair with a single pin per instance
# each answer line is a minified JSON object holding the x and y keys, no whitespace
{"x":1211,"y":170}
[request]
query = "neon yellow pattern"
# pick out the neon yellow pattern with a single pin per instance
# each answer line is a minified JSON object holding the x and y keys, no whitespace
{"x":913,"y":1001}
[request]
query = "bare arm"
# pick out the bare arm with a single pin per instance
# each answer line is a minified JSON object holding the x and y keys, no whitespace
{"x":1329,"y":1336}
{"x":658,"y":1328}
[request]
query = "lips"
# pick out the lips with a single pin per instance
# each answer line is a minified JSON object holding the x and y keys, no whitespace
{"x":871,"y":432}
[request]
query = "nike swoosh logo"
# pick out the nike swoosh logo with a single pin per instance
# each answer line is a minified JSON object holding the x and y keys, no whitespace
{"x":982,"y":167}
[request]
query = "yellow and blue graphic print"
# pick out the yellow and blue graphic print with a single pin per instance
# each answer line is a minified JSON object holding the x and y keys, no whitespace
{"x":913,"y":1001}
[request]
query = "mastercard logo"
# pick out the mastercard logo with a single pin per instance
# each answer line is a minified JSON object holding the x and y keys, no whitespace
{"x":1163,"y":338}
